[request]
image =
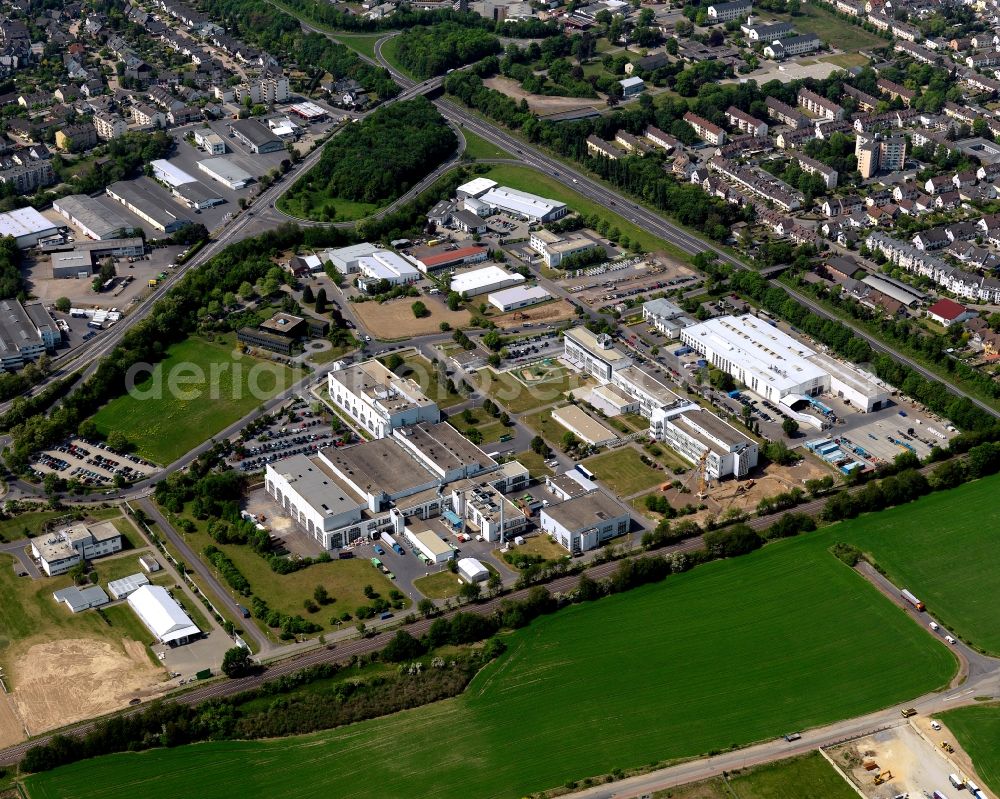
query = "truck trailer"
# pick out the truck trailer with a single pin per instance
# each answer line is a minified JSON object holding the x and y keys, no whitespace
{"x":909,"y":597}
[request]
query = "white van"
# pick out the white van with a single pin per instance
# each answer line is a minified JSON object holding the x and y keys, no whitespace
{"x":950,"y":640}
{"x":934,"y":626}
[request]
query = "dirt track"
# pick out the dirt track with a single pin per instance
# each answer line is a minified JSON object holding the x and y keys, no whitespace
{"x":550,"y":312}
{"x":540,"y":103}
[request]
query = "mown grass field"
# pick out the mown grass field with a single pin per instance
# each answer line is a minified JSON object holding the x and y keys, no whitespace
{"x":199,"y":389}
{"x":732,"y":652}
{"x":477,"y":147}
{"x":833,"y":30}
{"x":517,"y":397}
{"x":977,"y":729}
{"x":809,"y":775}
{"x":943,"y":548}
{"x":623,"y":471}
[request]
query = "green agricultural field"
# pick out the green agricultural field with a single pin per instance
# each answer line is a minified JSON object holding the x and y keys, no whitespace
{"x":809,"y":775}
{"x":943,"y":548}
{"x":213,"y":386}
{"x":623,"y":472}
{"x":732,"y":652}
{"x":977,"y":729}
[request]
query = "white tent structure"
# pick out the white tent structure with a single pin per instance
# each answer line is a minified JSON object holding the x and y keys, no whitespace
{"x":162,"y":615}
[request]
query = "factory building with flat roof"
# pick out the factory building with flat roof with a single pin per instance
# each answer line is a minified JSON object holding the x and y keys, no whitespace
{"x":225,"y":172}
{"x":518,"y":297}
{"x":26,"y":333}
{"x":484,"y":280}
{"x":379,"y":400}
{"x":778,"y":367}
{"x":27,"y":226}
{"x":150,"y":202}
{"x":256,"y":135}
{"x":93,"y":218}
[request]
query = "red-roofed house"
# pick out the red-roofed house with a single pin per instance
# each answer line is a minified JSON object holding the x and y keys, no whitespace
{"x":948,"y":312}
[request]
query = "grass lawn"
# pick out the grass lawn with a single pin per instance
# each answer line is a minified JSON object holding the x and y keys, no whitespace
{"x":343,"y":579}
{"x":534,"y":463}
{"x":477,"y":147}
{"x":518,"y":397}
{"x":27,"y":524}
{"x":430,"y":381}
{"x":735,"y":651}
{"x":389,"y":53}
{"x":320,"y":206}
{"x":359,"y":42}
{"x":541,"y":422}
{"x":531,"y":180}
{"x":441,"y":585}
{"x":846,"y":60}
{"x":623,"y":472}
{"x":541,"y":545}
{"x":200,"y":388}
{"x":809,"y":775}
{"x":977,"y":728}
{"x":832,"y":29}
{"x":943,"y":548}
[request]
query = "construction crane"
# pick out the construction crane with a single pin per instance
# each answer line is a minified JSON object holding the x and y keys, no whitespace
{"x":702,"y":481}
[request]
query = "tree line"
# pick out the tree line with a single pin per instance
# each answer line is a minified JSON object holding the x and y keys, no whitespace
{"x":427,"y":52}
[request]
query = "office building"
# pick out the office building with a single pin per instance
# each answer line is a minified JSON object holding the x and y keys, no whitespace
{"x":60,"y":551}
{"x":379,"y":400}
{"x":666,"y":317}
{"x":592,"y":353}
{"x":554,"y":247}
{"x":585,"y":522}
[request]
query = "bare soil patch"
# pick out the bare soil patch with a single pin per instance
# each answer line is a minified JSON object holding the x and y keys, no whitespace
{"x":395,"y":320}
{"x":60,"y":682}
{"x":540,"y":103}
{"x":11,"y":729}
{"x":549,"y":312}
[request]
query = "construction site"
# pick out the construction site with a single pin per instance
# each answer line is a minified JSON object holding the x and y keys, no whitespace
{"x":913,"y":759}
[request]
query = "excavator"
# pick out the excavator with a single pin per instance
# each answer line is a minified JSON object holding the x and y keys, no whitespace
{"x":883,"y":776}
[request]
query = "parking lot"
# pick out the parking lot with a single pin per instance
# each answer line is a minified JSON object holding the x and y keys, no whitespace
{"x":295,"y":429}
{"x":91,"y":463}
{"x":186,"y":661}
{"x":607,"y":283}
{"x":38,"y":276}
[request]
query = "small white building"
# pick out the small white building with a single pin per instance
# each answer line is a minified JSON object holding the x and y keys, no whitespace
{"x":472,"y":571}
{"x":585,"y":522}
{"x":210,"y":141}
{"x":163,"y":617}
{"x":518,"y":297}
{"x":120,"y":589}
{"x":149,"y":563}
{"x":484,"y":280}
{"x":632,"y":87}
{"x":433,"y":547}
{"x":80,"y":599}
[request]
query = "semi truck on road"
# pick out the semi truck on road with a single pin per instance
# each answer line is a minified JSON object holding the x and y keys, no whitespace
{"x":909,"y":597}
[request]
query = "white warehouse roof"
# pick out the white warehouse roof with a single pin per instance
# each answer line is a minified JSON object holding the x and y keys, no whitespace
{"x":161,"y":614}
{"x":24,"y":222}
{"x":387,"y":265}
{"x":170,"y":174}
{"x":519,"y":294}
{"x":476,"y":187}
{"x":475,"y":281}
{"x":520,"y":202}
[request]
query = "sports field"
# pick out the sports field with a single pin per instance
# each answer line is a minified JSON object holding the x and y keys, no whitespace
{"x":200,"y":388}
{"x":732,"y":652}
{"x":943,"y":548}
{"x":978,"y":731}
